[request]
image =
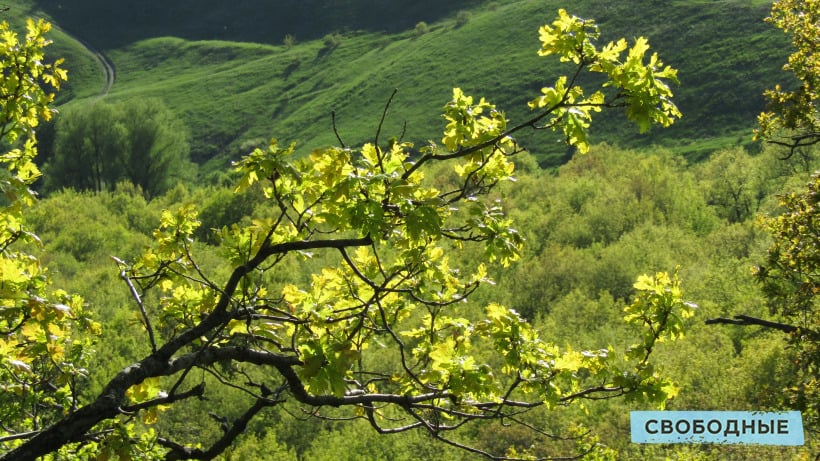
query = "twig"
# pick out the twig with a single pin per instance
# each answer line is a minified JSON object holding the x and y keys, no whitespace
{"x":138,"y":299}
{"x":232,"y":431}
{"x":384,"y":116}
{"x":21,"y":435}
{"x":336,"y":131}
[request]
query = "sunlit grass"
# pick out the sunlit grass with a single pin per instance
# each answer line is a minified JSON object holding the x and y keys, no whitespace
{"x":232,"y":94}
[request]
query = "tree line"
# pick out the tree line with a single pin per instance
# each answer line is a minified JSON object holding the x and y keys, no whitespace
{"x":100,"y":144}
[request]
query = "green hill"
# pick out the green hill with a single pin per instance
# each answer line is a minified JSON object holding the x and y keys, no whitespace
{"x":248,"y":86}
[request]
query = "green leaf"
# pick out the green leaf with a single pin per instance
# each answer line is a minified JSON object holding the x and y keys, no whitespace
{"x":423,"y":222}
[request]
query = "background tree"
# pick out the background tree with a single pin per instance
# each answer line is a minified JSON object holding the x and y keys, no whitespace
{"x":90,"y":145}
{"x":101,"y":144}
{"x":734,"y":183}
{"x":383,"y":330}
{"x":157,"y":146}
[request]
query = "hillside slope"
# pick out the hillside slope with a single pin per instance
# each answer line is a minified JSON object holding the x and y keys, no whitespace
{"x":233,"y":94}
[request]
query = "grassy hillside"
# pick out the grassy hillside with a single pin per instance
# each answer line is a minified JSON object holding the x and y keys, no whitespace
{"x":87,"y":77}
{"x":232,"y":94}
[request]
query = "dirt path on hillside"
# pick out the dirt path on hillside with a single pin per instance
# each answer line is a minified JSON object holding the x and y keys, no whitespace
{"x":107,"y":65}
{"x":108,"y":69}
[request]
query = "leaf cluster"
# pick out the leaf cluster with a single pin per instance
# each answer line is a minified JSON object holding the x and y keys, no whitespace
{"x":636,"y":85}
{"x":792,"y":118}
{"x":45,"y":333}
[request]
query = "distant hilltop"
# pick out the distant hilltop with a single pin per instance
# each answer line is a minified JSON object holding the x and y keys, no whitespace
{"x":113,"y":24}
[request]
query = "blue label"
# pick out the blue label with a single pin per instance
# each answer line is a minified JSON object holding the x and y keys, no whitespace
{"x":749,"y":427}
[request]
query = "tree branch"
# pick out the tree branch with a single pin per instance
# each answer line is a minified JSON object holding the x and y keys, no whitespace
{"x":797,"y":141}
{"x":108,"y":405}
{"x":196,"y":391}
{"x":745,"y":320}
{"x":379,"y":129}
{"x":18,"y":436}
{"x":135,"y":294}
{"x":179,"y":452}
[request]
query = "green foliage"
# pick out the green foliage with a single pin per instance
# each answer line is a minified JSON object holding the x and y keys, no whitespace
{"x":590,"y":227}
{"x":735,"y":184}
{"x":790,"y":283}
{"x":262,"y":449}
{"x":789,"y":275}
{"x":80,"y":225}
{"x":421,"y":28}
{"x":602,"y":218}
{"x":44,"y":348}
{"x":331,"y":41}
{"x":639,"y":86}
{"x":391,"y":244}
{"x":158,"y":148}
{"x":358,"y":441}
{"x":89,"y":146}
{"x":98,"y":146}
{"x":792,"y":119}
{"x":222,"y":208}
{"x":462,"y":18}
{"x":658,"y":310}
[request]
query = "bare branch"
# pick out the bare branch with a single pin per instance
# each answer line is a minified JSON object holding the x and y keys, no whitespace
{"x":379,"y":129}
{"x":233,"y":431}
{"x":335,"y":130}
{"x":19,"y":436}
{"x":135,"y":294}
{"x":795,"y":142}
{"x":745,"y":320}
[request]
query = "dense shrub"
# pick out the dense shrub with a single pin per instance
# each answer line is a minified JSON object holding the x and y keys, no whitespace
{"x":422,"y":28}
{"x":462,"y":18}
